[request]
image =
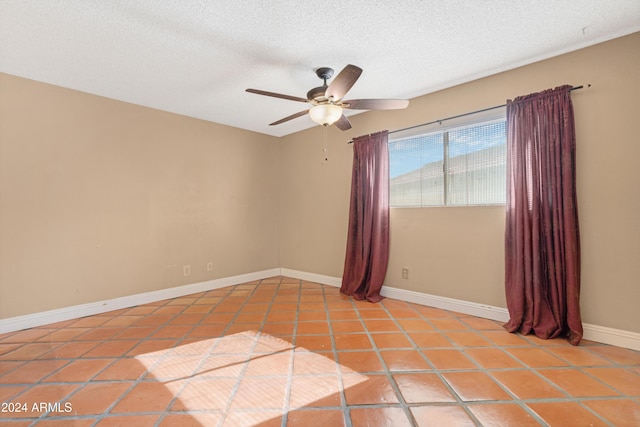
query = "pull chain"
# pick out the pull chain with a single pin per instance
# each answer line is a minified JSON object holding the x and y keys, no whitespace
{"x":325,"y":148}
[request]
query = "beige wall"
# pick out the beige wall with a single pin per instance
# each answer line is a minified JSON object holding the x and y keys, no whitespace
{"x":101,"y":199}
{"x":458,"y":252}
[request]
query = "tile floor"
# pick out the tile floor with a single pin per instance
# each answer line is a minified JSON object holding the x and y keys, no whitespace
{"x":283,"y":352}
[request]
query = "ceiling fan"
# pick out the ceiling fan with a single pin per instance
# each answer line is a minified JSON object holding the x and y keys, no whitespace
{"x":326,"y":100}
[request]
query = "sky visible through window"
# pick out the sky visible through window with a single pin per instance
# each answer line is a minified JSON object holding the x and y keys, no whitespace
{"x":409,"y":154}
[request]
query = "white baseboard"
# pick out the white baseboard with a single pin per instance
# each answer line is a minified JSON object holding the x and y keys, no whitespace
{"x":312,"y":277}
{"x":617,"y":337}
{"x":59,"y":315}
{"x":602,"y":334}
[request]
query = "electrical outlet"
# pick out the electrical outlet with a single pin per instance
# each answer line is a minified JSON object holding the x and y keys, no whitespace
{"x":210,"y":266}
{"x":186,"y":270}
{"x":405,"y":273}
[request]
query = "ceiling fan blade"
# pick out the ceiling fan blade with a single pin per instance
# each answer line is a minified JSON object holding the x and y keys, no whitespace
{"x":277,"y":95}
{"x":291,"y":117}
{"x":343,"y":123}
{"x":375,"y":104}
{"x":343,"y":82}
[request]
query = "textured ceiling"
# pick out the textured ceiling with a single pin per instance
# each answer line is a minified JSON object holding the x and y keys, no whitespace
{"x":196,"y":58}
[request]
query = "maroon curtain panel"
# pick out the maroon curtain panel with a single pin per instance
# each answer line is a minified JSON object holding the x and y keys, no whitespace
{"x":368,"y":236}
{"x":542,"y":242}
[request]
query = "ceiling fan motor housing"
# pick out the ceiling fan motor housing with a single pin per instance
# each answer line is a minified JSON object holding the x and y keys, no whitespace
{"x":317,"y":93}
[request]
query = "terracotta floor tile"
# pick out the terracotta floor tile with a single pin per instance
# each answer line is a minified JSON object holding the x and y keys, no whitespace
{"x":313,"y":363}
{"x":304,"y":316}
{"x":381,"y":325}
{"x":172,"y":331}
{"x":352,"y":342}
{"x":360,"y":361}
{"x":417,"y":325}
{"x":26,"y":336}
{"x":150,"y":346}
{"x":474,"y":386}
{"x":30,"y":351}
{"x":100,"y":334}
{"x":527,"y":385}
{"x":429,"y":339}
{"x":145,"y":397}
{"x":492,"y":358}
{"x":441,"y":416}
{"x":90,"y":322}
{"x":449,"y":359}
{"x":222,"y":365}
{"x":5,"y":348}
{"x":230,"y":357}
{"x":278,"y":329}
{"x":172,"y":367}
{"x":448,"y":324}
{"x":32,"y":372}
{"x":619,"y":355}
{"x":314,"y":342}
{"x":316,"y":418}
{"x":423,"y":388}
{"x":503,"y":415}
{"x":379,"y":417}
{"x":431,"y":312}
{"x":260,"y":393}
{"x":273,"y":364}
{"x":79,"y":370}
{"x":562,"y":414}
{"x":129,"y":420}
{"x":468,"y":339}
{"x":123,"y":320}
{"x":65,"y":334}
{"x":111,"y":348}
{"x":240,"y":343}
{"x":136,"y":332}
{"x":536,"y":357}
{"x":9,"y":365}
{"x":372,"y":389}
{"x":156,"y":318}
{"x":122,"y":369}
{"x":373,"y":313}
{"x":45,"y":393}
{"x":70,"y":350}
{"x":576,"y":383}
{"x":65,"y":422}
{"x":205,"y":394}
{"x":167,"y":311}
{"x":314,"y":390}
{"x":621,"y":413}
{"x":306,"y":328}
{"x":347,"y":326}
{"x":96,"y":398}
{"x":391,"y":340}
{"x":623,"y":380}
{"x":505,"y":338}
{"x":187,"y":319}
{"x":482,"y":324}
{"x":579,"y":356}
{"x":342,"y":314}
{"x":253,"y":418}
{"x":190,"y":420}
{"x":404,"y":360}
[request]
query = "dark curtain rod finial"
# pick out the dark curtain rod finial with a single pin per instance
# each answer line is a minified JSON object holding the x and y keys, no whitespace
{"x":467,"y":114}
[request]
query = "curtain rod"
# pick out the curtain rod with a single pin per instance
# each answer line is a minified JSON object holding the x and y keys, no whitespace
{"x":464,"y":114}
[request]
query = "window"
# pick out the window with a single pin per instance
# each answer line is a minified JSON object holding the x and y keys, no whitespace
{"x":461,"y":165}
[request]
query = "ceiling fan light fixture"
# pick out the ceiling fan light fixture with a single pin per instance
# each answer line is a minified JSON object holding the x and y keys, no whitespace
{"x":325,"y":114}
